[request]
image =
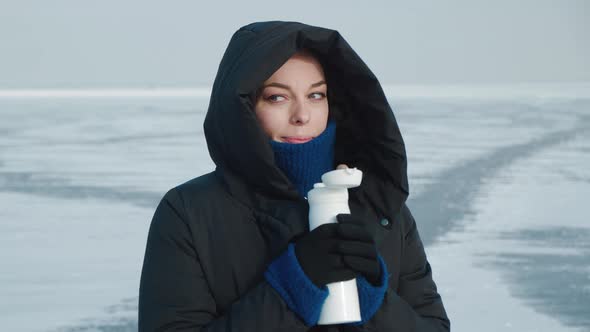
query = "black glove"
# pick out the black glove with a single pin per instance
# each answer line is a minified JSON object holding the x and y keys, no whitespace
{"x":317,"y":255}
{"x":360,"y":256}
{"x":333,"y":252}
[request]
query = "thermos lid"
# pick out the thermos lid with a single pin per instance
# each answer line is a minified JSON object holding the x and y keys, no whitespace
{"x":335,"y":185}
{"x":343,"y":178}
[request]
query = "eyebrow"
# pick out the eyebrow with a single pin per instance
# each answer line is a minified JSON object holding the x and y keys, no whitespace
{"x":284,"y":86}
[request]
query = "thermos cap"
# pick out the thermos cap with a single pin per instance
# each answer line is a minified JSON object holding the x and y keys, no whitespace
{"x":335,"y":185}
{"x":321,"y":193}
{"x":343,"y":178}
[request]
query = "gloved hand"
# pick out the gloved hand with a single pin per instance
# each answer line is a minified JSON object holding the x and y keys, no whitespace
{"x":361,"y":253}
{"x":337,"y":252}
{"x":330,"y":253}
{"x":317,"y":254}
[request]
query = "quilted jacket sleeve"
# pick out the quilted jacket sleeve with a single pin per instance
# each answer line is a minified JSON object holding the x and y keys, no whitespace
{"x":174,"y":294}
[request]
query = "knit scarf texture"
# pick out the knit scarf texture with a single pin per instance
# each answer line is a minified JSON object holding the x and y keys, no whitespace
{"x":305,"y":163}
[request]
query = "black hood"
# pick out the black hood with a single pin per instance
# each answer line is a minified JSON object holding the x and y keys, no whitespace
{"x":367,"y":136}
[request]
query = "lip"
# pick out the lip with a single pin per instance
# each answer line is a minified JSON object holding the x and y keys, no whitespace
{"x":297,"y":139}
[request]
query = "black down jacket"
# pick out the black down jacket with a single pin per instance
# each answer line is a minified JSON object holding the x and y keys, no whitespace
{"x":212,"y":238}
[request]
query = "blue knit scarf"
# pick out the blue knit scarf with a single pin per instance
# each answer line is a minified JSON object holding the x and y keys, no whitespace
{"x":305,"y":163}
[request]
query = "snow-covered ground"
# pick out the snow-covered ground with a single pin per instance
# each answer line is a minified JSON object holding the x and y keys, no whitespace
{"x":520,"y":261}
{"x":499,"y":188}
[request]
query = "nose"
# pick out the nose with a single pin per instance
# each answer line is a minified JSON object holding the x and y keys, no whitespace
{"x":300,"y":114}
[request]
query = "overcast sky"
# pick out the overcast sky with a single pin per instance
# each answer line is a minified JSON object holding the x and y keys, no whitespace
{"x":108,"y":44}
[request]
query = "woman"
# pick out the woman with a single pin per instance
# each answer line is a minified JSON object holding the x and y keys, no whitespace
{"x":231,"y":250}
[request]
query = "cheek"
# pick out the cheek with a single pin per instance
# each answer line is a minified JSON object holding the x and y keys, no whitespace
{"x":271,"y":121}
{"x":321,"y":119}
{"x":325,"y":112}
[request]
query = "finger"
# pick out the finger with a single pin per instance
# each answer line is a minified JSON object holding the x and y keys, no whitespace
{"x":328,"y":230}
{"x":342,"y":166}
{"x":346,"y":218}
{"x":343,"y":274}
{"x":354,"y":232}
{"x":355,"y":248}
{"x":366,"y":267}
{"x":355,"y":220}
{"x":335,"y":261}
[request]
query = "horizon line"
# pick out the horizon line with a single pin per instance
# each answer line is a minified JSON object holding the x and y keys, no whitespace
{"x":459,"y":90}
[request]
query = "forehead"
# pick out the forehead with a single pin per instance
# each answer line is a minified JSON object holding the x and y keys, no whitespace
{"x":300,"y":66}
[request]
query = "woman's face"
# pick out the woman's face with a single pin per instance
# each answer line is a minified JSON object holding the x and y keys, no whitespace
{"x":292,"y":105}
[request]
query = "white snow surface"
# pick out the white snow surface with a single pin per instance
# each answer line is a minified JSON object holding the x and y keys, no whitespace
{"x":80,"y":180}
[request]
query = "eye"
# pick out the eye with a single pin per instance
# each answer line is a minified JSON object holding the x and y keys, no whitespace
{"x":317,"y":95}
{"x":275,"y":98}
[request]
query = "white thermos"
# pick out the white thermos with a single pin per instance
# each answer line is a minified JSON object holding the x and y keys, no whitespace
{"x":326,"y":200}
